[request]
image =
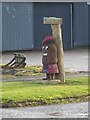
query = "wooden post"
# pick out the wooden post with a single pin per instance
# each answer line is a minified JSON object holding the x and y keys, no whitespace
{"x":56,"y":32}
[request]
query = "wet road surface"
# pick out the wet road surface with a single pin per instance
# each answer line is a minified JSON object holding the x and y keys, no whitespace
{"x":72,"y":110}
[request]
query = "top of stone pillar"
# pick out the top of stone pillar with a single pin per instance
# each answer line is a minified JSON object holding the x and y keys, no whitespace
{"x":52,"y":20}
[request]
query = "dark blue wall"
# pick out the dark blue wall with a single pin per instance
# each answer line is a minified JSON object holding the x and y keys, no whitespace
{"x":0,"y":26}
{"x":17,"y":24}
{"x":80,"y":24}
{"x":60,"y":10}
{"x":89,"y":24}
{"x":22,"y":25}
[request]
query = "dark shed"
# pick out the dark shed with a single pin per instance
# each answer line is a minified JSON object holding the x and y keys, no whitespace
{"x":61,"y":10}
{"x":17,"y":26}
{"x":0,"y":27}
{"x":89,"y":24}
{"x":22,"y":28}
{"x":80,"y":24}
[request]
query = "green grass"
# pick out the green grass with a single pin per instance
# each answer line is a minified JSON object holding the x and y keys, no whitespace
{"x":78,"y":81}
{"x":47,"y":93}
{"x":28,"y":71}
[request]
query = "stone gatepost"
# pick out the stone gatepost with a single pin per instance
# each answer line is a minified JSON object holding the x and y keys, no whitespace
{"x":56,"y":32}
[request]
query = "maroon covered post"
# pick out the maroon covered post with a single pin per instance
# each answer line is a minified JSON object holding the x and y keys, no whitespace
{"x":49,"y":57}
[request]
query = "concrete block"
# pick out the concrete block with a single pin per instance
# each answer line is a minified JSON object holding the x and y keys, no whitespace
{"x":52,"y":20}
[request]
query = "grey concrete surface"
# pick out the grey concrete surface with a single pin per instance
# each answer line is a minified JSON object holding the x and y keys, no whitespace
{"x":73,"y":110}
{"x":39,"y":77}
{"x":76,"y":59}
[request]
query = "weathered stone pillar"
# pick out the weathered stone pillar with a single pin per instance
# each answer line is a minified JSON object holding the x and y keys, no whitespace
{"x":56,"y":32}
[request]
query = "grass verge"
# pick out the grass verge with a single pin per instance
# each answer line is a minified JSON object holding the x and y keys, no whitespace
{"x":18,"y":94}
{"x":28,"y":71}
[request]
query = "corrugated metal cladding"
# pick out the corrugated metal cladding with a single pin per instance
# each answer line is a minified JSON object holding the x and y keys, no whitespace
{"x":17,"y":26}
{"x":0,"y":26}
{"x":80,"y":24}
{"x":60,"y":10}
{"x":89,"y":24}
{"x":23,"y":28}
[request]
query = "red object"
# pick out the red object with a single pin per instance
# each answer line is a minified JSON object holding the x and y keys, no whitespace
{"x":52,"y":68}
{"x":47,"y":38}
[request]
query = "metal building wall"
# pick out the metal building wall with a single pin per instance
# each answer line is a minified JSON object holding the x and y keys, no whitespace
{"x":89,"y":24}
{"x":0,"y":26}
{"x":44,"y":9}
{"x":80,"y":24}
{"x":17,"y":26}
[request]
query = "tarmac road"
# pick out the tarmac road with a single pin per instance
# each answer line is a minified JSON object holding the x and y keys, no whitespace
{"x":72,"y":110}
{"x":76,"y":59}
